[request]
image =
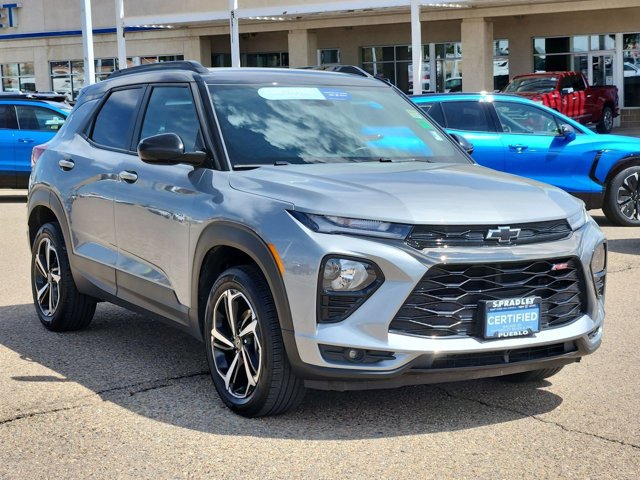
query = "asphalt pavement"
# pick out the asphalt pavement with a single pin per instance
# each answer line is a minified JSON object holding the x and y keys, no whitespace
{"x":132,"y":398}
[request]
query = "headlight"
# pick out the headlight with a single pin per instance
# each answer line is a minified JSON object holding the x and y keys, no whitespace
{"x":578,"y":219}
{"x":599,"y":268}
{"x":352,"y":226}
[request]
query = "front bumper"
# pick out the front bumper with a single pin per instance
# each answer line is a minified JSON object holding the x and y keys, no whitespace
{"x":403,"y":267}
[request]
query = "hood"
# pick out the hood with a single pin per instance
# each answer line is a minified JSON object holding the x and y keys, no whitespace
{"x":409,"y":192}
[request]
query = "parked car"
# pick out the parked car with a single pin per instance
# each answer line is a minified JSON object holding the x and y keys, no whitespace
{"x":315,"y":229}
{"x":631,"y":69}
{"x":570,"y":93}
{"x":26,"y":120}
{"x":515,"y":135}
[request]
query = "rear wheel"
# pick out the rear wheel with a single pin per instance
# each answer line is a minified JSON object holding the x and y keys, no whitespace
{"x":622,"y":199}
{"x":606,"y":121}
{"x":532,"y":376}
{"x":58,"y":303}
{"x":243,"y":341}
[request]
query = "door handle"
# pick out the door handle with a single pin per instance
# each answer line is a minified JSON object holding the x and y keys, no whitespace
{"x":26,"y":140}
{"x":518,"y":148}
{"x":66,"y":164}
{"x":127,"y":176}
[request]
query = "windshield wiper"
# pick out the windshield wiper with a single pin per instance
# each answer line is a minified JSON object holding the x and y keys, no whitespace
{"x":251,"y":166}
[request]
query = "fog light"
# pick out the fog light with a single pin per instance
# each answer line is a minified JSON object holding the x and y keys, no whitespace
{"x":346,"y":275}
{"x":355,"y":355}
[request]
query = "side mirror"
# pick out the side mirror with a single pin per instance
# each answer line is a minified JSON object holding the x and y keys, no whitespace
{"x":566,"y":91}
{"x":463,"y":142}
{"x":567,"y":132}
{"x":167,"y":149}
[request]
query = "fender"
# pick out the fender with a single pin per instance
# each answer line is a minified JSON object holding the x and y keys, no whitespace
{"x":608,"y":162}
{"x":238,"y":236}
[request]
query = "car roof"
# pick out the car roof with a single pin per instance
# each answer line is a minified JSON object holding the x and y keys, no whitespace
{"x":187,"y":71}
{"x":468,"y":96}
{"x":59,"y":106}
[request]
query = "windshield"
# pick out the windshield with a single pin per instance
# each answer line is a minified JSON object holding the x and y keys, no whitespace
{"x":279,"y":125}
{"x":532,"y":84}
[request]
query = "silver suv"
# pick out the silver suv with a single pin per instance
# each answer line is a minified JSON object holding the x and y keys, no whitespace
{"x":314,"y":229}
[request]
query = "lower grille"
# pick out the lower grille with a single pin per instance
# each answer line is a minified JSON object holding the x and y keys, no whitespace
{"x":500,"y":357}
{"x":445,"y":301}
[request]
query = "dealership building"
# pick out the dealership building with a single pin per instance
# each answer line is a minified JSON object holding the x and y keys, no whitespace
{"x":473,"y":44}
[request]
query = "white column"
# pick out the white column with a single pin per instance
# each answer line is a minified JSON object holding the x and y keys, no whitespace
{"x":477,"y":55}
{"x":122,"y":47}
{"x":416,"y":47}
{"x":234,"y":33}
{"x":87,"y":42}
{"x":303,"y":48}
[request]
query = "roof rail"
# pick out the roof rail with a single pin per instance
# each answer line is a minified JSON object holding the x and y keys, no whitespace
{"x":190,"y":65}
{"x":52,"y":96}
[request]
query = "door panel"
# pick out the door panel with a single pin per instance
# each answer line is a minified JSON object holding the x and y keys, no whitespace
{"x":8,"y":127}
{"x":153,"y":210}
{"x":534,"y":149}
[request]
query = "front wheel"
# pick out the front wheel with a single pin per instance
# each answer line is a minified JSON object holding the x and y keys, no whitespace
{"x":244,"y":346}
{"x":606,"y":121}
{"x":622,"y":199}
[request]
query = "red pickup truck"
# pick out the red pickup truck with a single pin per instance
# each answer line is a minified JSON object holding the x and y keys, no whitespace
{"x":570,"y":94}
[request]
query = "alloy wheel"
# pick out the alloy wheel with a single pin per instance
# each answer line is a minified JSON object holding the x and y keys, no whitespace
{"x":47,"y":277}
{"x":235,"y":343}
{"x":628,"y":197}
{"x":608,"y":120}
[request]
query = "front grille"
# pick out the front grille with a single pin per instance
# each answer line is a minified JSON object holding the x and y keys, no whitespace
{"x":499,"y":357}
{"x":431,"y":236}
{"x":445,"y":301}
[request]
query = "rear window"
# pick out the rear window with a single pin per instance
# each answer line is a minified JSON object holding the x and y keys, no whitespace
{"x":467,"y":115}
{"x":114,"y":123}
{"x":532,"y":85}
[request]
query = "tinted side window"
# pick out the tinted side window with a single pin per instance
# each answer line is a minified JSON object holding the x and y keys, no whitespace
{"x":434,"y":111}
{"x":566,"y":82}
{"x":115,"y":120}
{"x":171,"y":110}
{"x":466,"y":116}
{"x":8,"y":117}
{"x":38,"y":118}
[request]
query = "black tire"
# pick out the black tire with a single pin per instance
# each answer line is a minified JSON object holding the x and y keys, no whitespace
{"x":622,"y":198}
{"x":59,"y":305}
{"x":532,"y":375}
{"x":606,"y":121}
{"x":258,"y":354}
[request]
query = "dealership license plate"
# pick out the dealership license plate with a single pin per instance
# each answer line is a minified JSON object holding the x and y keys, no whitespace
{"x":511,"y":317}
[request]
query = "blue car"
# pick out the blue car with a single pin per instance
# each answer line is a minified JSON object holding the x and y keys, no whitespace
{"x":515,"y":135}
{"x":26,"y":120}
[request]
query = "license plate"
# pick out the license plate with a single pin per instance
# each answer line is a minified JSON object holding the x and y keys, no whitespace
{"x":511,"y":317}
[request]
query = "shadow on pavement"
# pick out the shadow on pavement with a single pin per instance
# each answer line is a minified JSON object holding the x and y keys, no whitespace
{"x":160,"y":373}
{"x":13,"y":198}
{"x":629,"y":246}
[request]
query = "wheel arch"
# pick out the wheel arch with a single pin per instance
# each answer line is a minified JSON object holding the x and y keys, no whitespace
{"x":625,"y":162}
{"x":226,"y":244}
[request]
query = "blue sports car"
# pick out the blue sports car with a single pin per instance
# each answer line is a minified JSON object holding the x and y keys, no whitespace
{"x":26,"y":120}
{"x":518,"y":136}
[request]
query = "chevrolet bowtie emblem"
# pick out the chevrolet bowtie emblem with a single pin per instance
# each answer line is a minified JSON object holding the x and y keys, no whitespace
{"x":503,"y":234}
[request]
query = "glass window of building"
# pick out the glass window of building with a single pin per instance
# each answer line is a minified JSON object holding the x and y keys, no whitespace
{"x":67,"y":76}
{"x":329,"y":56}
{"x":263,"y":59}
{"x":17,"y":77}
{"x":449,"y":67}
{"x":631,"y":69}
{"x":394,"y":63}
{"x":500,"y":64}
{"x":569,"y":53}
